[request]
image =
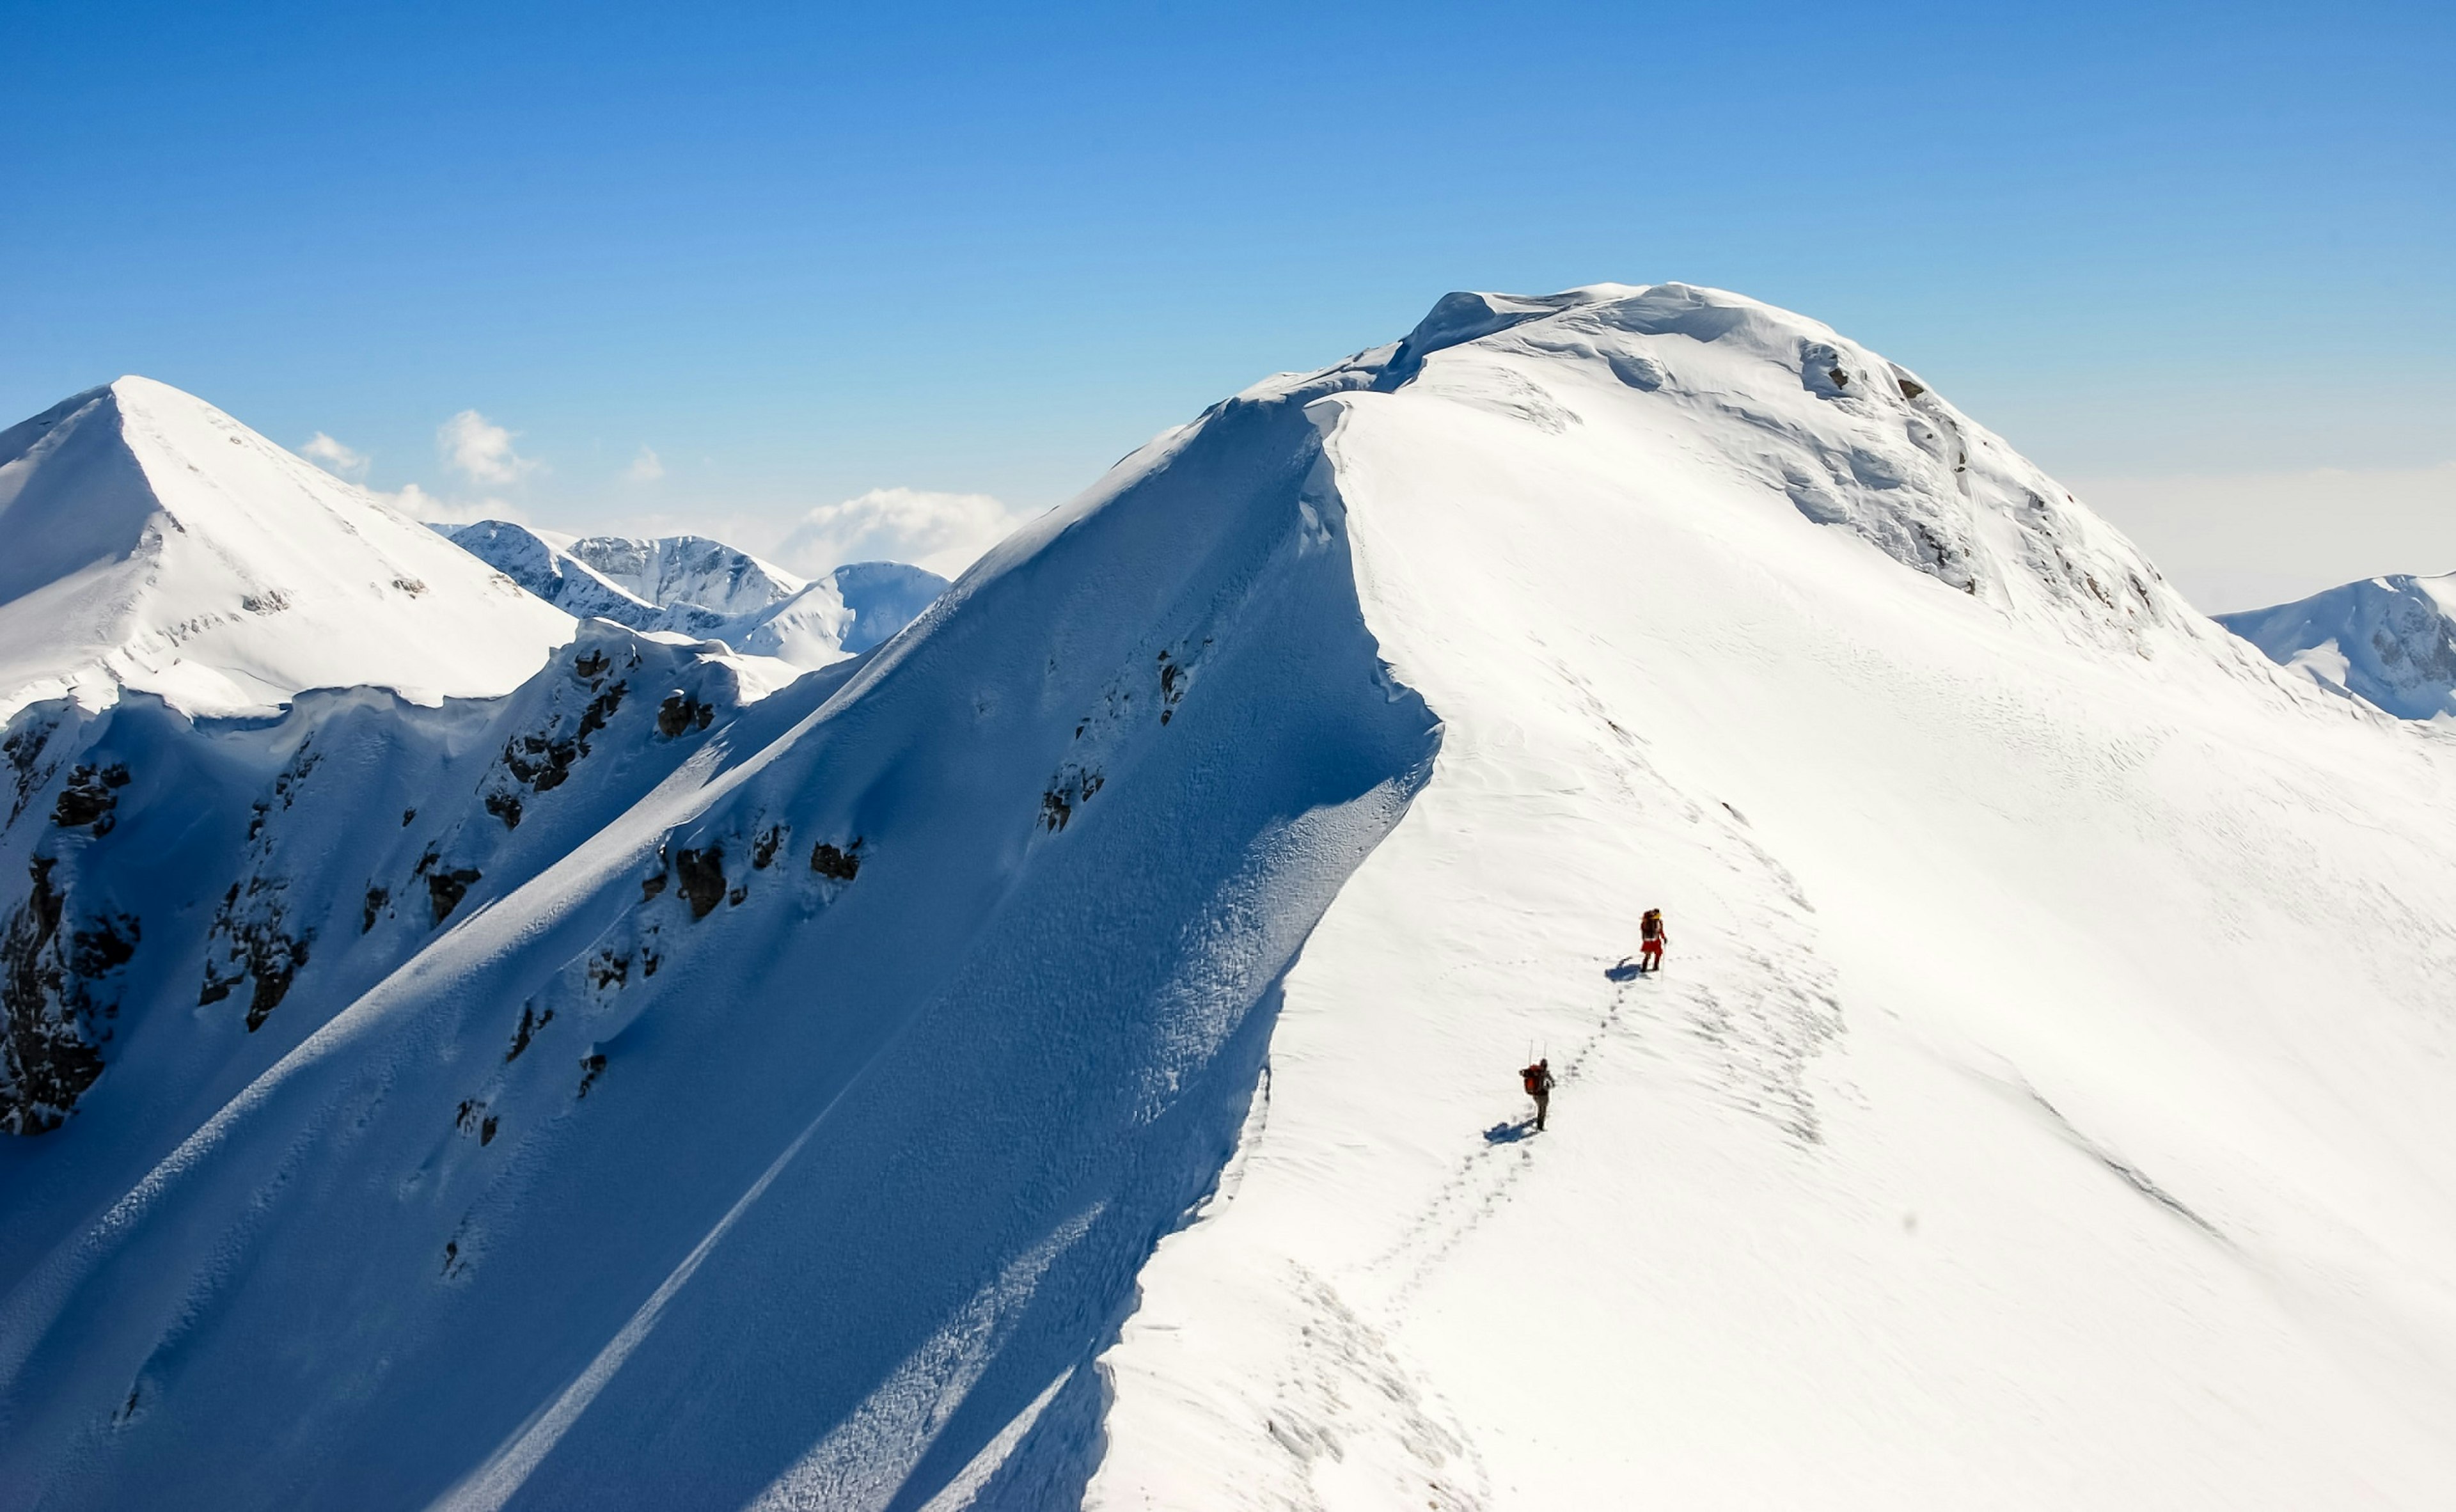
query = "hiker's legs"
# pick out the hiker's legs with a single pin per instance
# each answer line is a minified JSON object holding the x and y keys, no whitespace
{"x":1543,"y":1107}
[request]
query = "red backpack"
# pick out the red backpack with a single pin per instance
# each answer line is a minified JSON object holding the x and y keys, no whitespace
{"x":1535,"y":1077}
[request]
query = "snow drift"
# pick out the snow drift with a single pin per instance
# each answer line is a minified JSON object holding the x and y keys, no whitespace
{"x":154,"y":542}
{"x":631,"y":1091}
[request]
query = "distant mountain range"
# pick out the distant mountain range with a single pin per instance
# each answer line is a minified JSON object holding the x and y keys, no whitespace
{"x":707,"y":590}
{"x":157,"y":544}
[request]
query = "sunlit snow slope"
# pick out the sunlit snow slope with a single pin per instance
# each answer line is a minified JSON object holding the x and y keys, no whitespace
{"x":148,"y":541}
{"x":2048,"y":1098}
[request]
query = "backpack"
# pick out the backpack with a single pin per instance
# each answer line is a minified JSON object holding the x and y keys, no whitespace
{"x":1650,"y":927}
{"x":1536,"y":1078}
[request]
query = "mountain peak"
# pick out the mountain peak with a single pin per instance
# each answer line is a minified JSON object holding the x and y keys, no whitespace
{"x":156,"y":542}
{"x":1845,"y":436}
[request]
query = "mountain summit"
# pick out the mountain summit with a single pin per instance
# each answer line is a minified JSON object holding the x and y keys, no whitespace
{"x":154,"y":542}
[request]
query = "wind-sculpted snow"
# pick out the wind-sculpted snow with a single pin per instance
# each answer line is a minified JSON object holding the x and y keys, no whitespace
{"x":783,"y":1113}
{"x":2390,"y":641}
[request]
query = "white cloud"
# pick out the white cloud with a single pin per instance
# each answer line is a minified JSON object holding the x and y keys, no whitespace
{"x":647,"y":467}
{"x":341,"y":461}
{"x":945,"y":533}
{"x":480,"y":449}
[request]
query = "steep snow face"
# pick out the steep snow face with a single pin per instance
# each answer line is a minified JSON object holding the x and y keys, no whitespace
{"x":2044,"y":1103}
{"x":156,"y":544}
{"x":702,"y":588}
{"x":2389,"y":641}
{"x":624,"y":1093}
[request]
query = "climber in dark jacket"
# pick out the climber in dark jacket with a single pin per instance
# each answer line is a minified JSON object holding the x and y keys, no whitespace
{"x":1538,"y":1078}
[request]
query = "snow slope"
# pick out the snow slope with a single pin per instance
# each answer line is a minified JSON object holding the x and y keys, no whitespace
{"x":2392,"y":641}
{"x":704,"y":589}
{"x":2045,"y":1102}
{"x":782,"y":1110}
{"x":828,"y":1100}
{"x":154,"y":542}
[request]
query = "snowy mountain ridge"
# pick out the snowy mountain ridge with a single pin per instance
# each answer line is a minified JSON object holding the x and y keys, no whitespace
{"x":814,"y":876}
{"x":1065,"y":1055}
{"x":1989,"y":1120}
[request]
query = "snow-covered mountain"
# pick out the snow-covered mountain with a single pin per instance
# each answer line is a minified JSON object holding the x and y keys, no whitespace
{"x":691,"y":585}
{"x":153,"y":543}
{"x":883,"y":597}
{"x":1067,"y":1054}
{"x":2045,"y":1102}
{"x":687,"y":569}
{"x":2390,"y":640}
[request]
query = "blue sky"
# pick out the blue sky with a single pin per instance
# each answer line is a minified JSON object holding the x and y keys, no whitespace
{"x":2200,"y":253}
